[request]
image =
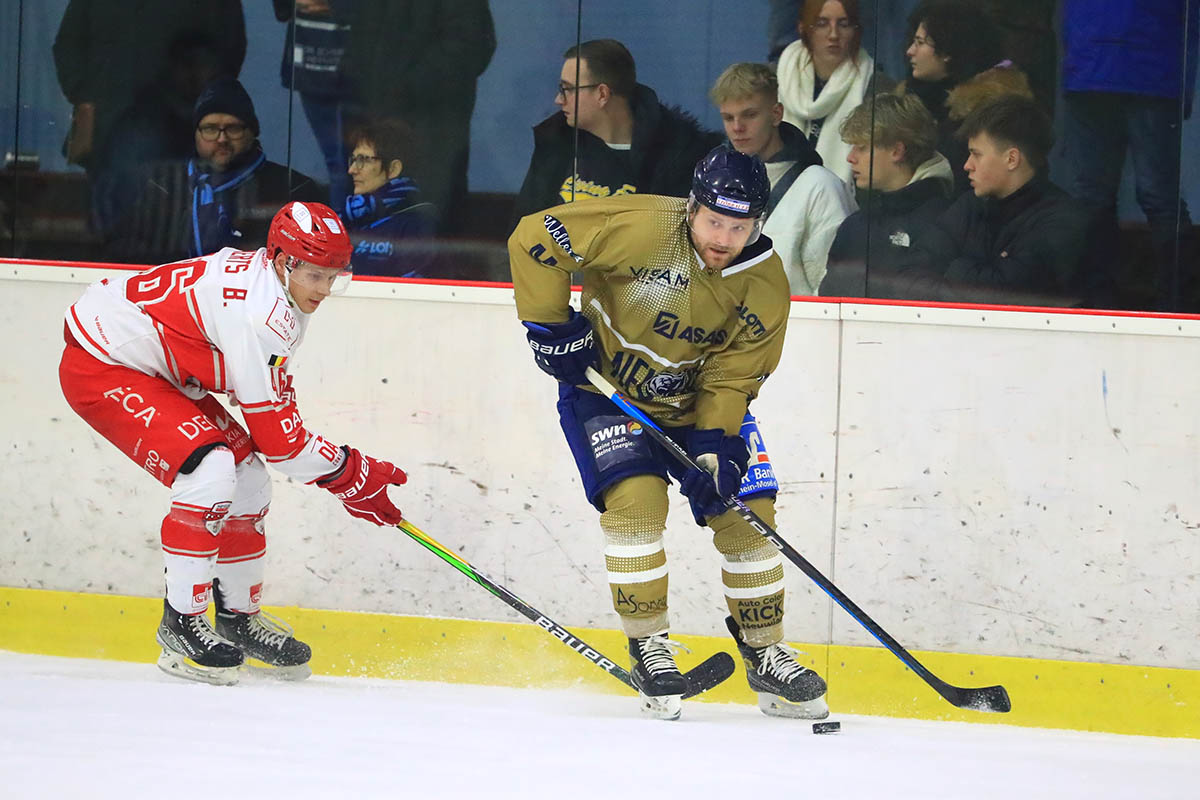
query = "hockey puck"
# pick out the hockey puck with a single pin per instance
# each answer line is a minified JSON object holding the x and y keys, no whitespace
{"x":826,"y":727}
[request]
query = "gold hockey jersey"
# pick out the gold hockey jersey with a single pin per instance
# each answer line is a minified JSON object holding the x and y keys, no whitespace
{"x":687,"y":346}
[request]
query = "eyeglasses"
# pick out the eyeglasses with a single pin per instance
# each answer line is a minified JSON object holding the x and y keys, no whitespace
{"x":360,"y":161}
{"x":922,"y":41}
{"x":565,"y":89}
{"x":823,"y":24}
{"x":210,"y":133}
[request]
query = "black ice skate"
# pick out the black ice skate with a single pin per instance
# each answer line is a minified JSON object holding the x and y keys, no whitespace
{"x":192,"y":650}
{"x":266,"y":639}
{"x":659,"y":682}
{"x":784,"y":687}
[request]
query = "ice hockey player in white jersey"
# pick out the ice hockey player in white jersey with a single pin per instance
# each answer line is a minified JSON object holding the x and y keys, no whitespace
{"x":145,"y":355}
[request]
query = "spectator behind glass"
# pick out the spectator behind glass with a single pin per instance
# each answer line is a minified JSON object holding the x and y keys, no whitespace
{"x":824,"y":76}
{"x":951,"y":41}
{"x":419,"y":61}
{"x":108,"y":52}
{"x":907,"y":185}
{"x":389,"y":223}
{"x":807,"y":201}
{"x":1016,"y":237}
{"x":223,"y":197}
{"x":313,"y":51}
{"x":1123,"y":76}
{"x":629,"y":142}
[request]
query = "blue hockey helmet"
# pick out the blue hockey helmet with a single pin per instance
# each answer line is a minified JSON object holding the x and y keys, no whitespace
{"x":731,"y":183}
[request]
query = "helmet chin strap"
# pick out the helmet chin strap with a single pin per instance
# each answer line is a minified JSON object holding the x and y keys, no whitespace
{"x":286,"y":280}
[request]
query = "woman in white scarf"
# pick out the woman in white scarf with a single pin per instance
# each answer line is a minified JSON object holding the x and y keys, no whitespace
{"x":828,"y":50}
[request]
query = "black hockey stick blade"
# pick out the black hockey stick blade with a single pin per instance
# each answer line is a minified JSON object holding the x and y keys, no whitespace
{"x":710,"y":672}
{"x":988,"y":698}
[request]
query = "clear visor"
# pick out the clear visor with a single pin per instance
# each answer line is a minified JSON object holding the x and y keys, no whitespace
{"x":314,"y":278}
{"x":714,"y":222}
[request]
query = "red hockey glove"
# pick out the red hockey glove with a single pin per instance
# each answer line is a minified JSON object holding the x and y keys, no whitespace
{"x":361,"y":484}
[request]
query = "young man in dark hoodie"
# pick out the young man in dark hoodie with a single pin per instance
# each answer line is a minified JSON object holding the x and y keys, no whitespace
{"x":907,"y":184}
{"x":808,"y":202}
{"x":629,"y":142}
{"x":1016,"y":238}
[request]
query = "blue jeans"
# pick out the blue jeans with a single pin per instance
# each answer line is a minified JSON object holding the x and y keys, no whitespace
{"x":1098,"y":129}
{"x":326,"y":117}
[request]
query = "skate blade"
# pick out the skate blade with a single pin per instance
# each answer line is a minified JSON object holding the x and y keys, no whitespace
{"x":180,"y":666}
{"x":667,"y":706}
{"x":775,"y":706}
{"x":261,"y":669}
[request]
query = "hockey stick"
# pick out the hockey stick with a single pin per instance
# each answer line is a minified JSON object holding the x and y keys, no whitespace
{"x":987,"y":698}
{"x":700,"y":678}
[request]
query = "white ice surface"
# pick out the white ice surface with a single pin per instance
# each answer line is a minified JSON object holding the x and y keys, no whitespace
{"x":99,"y":729}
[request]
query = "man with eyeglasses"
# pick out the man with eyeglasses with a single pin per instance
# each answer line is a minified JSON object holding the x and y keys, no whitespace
{"x":223,"y":197}
{"x":628,"y":141}
{"x":146,"y":356}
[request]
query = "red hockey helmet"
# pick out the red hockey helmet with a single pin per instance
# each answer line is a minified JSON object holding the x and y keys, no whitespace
{"x":310,"y":232}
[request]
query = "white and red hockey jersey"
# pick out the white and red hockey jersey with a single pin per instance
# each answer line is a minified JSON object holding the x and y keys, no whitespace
{"x":222,"y":323}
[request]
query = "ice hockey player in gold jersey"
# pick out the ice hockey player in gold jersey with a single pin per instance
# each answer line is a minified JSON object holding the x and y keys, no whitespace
{"x":684,"y":308}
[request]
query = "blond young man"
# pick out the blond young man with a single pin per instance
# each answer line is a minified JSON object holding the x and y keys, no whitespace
{"x":807,"y":202}
{"x":894,"y":162}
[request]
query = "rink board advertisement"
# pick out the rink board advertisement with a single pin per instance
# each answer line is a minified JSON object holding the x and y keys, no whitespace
{"x":1008,"y":491}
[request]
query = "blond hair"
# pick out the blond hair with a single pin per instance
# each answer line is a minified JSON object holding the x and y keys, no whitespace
{"x":887,"y":119}
{"x":744,"y":79}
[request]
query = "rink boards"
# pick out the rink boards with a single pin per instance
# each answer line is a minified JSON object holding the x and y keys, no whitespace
{"x":1011,"y":494}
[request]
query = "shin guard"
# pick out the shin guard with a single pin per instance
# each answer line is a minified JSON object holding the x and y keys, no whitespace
{"x":752,"y":574}
{"x":633,"y":522}
{"x":243,"y":543}
{"x":200,"y":502}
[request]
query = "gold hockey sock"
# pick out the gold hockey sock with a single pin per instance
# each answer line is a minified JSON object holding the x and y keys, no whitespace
{"x":752,"y":573}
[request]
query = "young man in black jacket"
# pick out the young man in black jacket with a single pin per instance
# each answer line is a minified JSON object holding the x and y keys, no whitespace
{"x":906,"y":185}
{"x":629,"y":142}
{"x":1016,"y":238}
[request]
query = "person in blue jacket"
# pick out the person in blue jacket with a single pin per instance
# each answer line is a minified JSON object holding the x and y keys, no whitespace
{"x":390,"y":225}
{"x":1128,"y":87}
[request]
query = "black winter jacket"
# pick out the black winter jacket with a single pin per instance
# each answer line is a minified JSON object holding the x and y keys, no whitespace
{"x":1027,"y":248}
{"x":875,"y":247}
{"x":667,"y":143}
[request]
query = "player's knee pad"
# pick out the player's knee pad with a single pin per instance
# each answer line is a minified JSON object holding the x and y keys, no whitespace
{"x":635,"y":509}
{"x":252,"y":497}
{"x":207,"y":489}
{"x":733,"y":536}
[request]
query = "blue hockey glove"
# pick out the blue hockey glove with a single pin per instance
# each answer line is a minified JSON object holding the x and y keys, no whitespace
{"x":724,"y":460}
{"x":564,"y":350}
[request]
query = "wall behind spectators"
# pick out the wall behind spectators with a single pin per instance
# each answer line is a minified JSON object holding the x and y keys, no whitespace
{"x":1001,"y":483}
{"x":680,"y":47}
